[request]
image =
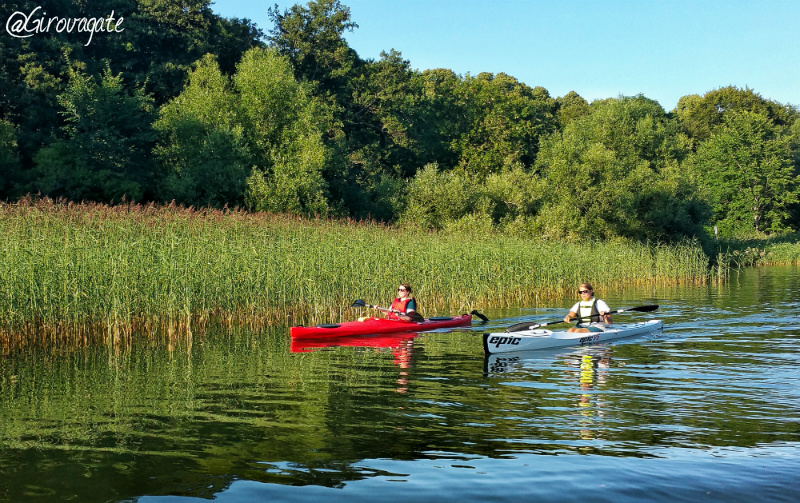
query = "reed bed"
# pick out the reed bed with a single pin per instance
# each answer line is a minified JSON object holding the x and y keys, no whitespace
{"x":82,"y":273}
{"x":781,"y":254}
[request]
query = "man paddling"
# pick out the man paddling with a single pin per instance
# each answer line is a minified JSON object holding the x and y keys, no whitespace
{"x":592,"y":313}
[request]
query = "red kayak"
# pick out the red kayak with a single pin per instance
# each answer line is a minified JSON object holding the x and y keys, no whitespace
{"x":380,"y":326}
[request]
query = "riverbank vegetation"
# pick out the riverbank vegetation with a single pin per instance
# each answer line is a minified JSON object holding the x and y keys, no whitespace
{"x":318,"y":177}
{"x":86,"y":273}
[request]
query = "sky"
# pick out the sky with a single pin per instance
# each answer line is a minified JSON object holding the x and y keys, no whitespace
{"x":662,"y":49}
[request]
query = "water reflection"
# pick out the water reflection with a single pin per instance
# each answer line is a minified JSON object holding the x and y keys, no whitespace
{"x":400,"y":345}
{"x":592,"y":374}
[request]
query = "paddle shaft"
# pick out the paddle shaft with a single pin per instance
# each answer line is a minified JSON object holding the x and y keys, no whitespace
{"x":532,"y":326}
{"x":384,"y":309}
{"x":361,"y":303}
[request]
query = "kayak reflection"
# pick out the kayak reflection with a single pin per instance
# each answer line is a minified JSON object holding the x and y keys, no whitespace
{"x":579,"y":373}
{"x":401,"y":345}
{"x":305,"y":345}
{"x":502,"y":363}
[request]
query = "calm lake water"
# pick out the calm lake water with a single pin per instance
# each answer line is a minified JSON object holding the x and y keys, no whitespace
{"x":707,"y":411}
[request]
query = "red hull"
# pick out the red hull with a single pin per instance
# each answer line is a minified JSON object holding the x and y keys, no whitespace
{"x":372,"y":326}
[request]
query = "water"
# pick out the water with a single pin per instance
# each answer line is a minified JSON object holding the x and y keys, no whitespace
{"x":707,"y":411}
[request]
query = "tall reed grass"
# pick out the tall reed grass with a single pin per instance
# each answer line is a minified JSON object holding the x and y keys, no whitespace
{"x":79,"y":273}
{"x":783,"y":253}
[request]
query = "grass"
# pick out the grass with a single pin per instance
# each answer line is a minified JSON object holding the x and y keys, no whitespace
{"x":762,"y":250}
{"x":77,"y":274}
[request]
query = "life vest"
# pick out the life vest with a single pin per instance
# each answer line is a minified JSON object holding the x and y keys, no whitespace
{"x":399,"y":305}
{"x":587,"y":312}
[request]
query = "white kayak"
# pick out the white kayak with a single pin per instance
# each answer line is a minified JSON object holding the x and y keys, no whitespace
{"x":542,"y":338}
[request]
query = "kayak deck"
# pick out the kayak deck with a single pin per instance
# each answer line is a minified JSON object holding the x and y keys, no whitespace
{"x":541,"y":338}
{"x":375,"y":326}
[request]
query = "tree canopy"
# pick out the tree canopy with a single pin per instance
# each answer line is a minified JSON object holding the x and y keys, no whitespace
{"x":188,"y":106}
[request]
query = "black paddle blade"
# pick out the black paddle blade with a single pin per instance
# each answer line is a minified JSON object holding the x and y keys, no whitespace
{"x":359,"y":303}
{"x":479,"y":315}
{"x":641,"y":309}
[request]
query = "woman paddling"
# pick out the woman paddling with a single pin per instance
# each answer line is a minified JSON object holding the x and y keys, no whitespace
{"x":404,"y":307}
{"x":592,"y":313}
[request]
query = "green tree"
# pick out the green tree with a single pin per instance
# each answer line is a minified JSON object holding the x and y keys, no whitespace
{"x":616,"y":172}
{"x":202,"y":148}
{"x":437,"y":198}
{"x":108,"y":137}
{"x":384,"y":106}
{"x":441,"y":111}
{"x":379,"y":147}
{"x":284,"y":127}
{"x":699,"y":116}
{"x":451,"y":199}
{"x":312,"y":37}
{"x":570,"y":107}
{"x":255,"y":138}
{"x":372,"y":146}
{"x":747,"y":169}
{"x":505,"y":120}
{"x":9,"y":157}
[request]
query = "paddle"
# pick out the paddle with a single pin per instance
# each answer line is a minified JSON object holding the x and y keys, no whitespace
{"x":519,"y":327}
{"x":361,"y":303}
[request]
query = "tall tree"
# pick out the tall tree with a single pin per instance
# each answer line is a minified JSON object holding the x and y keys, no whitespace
{"x":699,"y":116}
{"x":254,"y":137}
{"x":571,"y":106}
{"x":505,"y":120}
{"x":616,"y":172}
{"x":748,"y":171}
{"x":440,"y":117}
{"x":9,"y":157}
{"x":312,"y":37}
{"x":284,"y":127}
{"x":379,"y":145}
{"x":202,"y":150}
{"x":108,"y":136}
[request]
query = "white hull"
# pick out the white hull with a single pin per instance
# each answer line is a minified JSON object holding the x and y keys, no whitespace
{"x":541,"y":338}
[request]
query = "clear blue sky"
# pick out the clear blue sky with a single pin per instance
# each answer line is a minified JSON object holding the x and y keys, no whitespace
{"x":663,"y":49}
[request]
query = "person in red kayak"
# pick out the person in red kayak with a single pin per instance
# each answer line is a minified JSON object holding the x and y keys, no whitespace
{"x":404,"y":307}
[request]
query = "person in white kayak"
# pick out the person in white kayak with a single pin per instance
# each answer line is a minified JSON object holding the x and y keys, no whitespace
{"x":593,"y":314}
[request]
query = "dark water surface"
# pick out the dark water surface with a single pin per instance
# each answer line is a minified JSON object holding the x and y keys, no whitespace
{"x":707,"y":411}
